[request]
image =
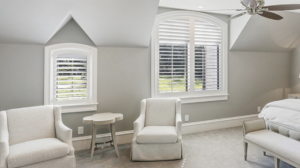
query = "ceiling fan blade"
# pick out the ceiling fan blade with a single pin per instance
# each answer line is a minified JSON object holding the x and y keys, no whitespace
{"x":243,"y":4}
{"x":283,"y":7}
{"x":238,"y":15}
{"x":250,"y":3}
{"x":271,"y":15}
{"x":221,"y":10}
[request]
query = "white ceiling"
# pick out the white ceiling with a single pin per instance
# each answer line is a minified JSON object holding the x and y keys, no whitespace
{"x":107,"y":22}
{"x":216,"y":4}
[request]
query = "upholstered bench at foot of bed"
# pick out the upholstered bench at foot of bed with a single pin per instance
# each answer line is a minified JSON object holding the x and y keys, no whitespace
{"x":281,"y":147}
{"x":283,"y":129}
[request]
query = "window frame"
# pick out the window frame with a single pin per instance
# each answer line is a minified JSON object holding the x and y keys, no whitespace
{"x":191,"y":96}
{"x":51,"y":53}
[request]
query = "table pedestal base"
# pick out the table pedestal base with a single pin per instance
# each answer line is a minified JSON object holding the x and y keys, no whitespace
{"x":103,"y":119}
{"x":112,"y":142}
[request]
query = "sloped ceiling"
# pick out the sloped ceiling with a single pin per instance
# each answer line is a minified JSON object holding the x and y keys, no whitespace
{"x":107,"y":22}
{"x":216,"y":6}
{"x":236,"y":27}
{"x":31,"y":21}
{"x":261,"y":34}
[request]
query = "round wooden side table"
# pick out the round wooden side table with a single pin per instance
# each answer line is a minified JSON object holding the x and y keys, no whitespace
{"x":103,"y":119}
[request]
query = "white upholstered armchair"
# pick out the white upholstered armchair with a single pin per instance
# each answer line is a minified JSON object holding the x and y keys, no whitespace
{"x":35,"y":137}
{"x":157,"y":131}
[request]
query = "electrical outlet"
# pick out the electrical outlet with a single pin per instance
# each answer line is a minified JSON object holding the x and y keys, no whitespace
{"x":258,"y":109}
{"x":186,"y":118}
{"x":80,"y":130}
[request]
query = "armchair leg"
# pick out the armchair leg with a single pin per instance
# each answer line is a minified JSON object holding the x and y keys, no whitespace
{"x":245,"y":150}
{"x":265,"y":153}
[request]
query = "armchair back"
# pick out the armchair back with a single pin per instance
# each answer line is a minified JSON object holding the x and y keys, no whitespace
{"x":160,"y":112}
{"x":26,"y":124}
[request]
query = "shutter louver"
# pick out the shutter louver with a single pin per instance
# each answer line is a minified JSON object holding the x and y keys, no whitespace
{"x":174,"y":39}
{"x":71,"y":79}
{"x":207,"y":56}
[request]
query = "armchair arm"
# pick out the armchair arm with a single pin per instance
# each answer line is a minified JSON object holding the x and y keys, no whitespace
{"x":139,"y":123}
{"x":178,"y":120}
{"x":4,"y":144}
{"x":63,"y":133}
{"x":178,"y":126}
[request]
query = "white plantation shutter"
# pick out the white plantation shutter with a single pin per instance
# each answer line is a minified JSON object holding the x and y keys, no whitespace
{"x":189,"y":57}
{"x":207,"y":56}
{"x":174,"y":41}
{"x":71,"y":78}
{"x":174,"y":55}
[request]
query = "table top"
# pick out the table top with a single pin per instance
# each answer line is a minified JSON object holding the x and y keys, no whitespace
{"x":103,"y":118}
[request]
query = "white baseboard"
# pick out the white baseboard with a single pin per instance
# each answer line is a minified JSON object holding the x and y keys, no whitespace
{"x":123,"y":137}
{"x":201,"y":126}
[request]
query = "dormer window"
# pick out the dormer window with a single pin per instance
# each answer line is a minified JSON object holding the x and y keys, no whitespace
{"x":71,"y":77}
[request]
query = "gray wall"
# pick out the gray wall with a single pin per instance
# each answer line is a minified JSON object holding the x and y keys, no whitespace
{"x":21,"y":75}
{"x":71,"y":33}
{"x":255,"y":78}
{"x":295,"y":71}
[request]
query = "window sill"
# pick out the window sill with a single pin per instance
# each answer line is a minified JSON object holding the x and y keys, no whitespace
{"x":74,"y":108}
{"x":186,"y":100}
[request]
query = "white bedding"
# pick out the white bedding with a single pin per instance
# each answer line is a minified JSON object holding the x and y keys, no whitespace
{"x":285,"y":112}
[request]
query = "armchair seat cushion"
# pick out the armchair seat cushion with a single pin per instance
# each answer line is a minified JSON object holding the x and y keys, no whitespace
{"x":36,"y":151}
{"x":157,"y":135}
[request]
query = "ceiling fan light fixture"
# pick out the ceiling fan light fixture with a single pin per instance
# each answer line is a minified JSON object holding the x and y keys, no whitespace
{"x":200,"y":7}
{"x":264,"y":9}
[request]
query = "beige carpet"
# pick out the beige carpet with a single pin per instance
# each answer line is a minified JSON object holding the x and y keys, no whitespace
{"x":212,"y":149}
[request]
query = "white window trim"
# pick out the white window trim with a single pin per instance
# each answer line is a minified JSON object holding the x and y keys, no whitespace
{"x":91,"y":53}
{"x":207,"y":96}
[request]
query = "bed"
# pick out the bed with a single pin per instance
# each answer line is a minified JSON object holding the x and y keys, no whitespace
{"x":283,"y":117}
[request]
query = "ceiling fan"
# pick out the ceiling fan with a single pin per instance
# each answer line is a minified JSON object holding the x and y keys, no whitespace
{"x":253,"y":7}
{"x":257,"y":7}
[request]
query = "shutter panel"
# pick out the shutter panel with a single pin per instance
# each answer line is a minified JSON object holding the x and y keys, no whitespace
{"x":71,"y":79}
{"x":207,"y":56}
{"x":174,"y":39}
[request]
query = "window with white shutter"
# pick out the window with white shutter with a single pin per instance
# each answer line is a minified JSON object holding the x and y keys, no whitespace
{"x":189,"y":57}
{"x":71,"y":77}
